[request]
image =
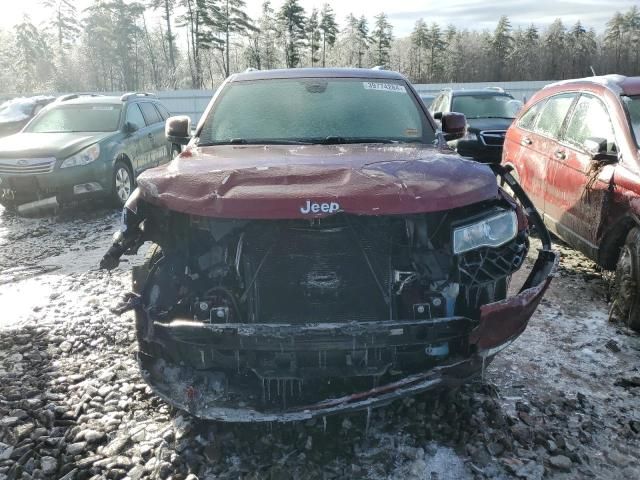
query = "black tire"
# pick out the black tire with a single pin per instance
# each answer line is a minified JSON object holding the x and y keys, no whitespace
{"x":122,"y":183}
{"x":626,"y":285}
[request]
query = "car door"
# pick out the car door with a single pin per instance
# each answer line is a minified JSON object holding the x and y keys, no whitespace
{"x":136,"y":143}
{"x":577,"y":185}
{"x":155,"y":132}
{"x":539,"y":130}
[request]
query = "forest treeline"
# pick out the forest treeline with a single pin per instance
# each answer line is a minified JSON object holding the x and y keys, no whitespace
{"x":167,"y":44}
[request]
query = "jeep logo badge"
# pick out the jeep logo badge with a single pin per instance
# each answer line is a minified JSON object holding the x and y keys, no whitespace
{"x":314,"y":207}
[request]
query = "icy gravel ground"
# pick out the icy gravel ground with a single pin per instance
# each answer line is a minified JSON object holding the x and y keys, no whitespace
{"x":562,"y":402}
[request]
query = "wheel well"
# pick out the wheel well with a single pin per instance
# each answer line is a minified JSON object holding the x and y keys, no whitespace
{"x":122,"y":157}
{"x":613,"y":241}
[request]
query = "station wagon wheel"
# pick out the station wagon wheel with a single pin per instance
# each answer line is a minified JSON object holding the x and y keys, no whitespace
{"x":122,"y":184}
{"x":626,"y":293}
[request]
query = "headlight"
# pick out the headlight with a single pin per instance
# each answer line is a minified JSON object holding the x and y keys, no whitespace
{"x":490,"y":232}
{"x":470,"y":136}
{"x":83,"y":157}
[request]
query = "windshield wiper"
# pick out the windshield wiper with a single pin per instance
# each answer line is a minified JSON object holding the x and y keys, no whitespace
{"x":256,"y":141}
{"x":335,"y":140}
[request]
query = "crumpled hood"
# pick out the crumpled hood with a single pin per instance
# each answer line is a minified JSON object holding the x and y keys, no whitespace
{"x":38,"y":145}
{"x":281,"y":181}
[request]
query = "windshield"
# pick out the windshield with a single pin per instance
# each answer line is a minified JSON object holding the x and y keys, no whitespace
{"x":486,"y":106}
{"x":633,"y":107}
{"x":77,"y":118}
{"x":320,"y":110}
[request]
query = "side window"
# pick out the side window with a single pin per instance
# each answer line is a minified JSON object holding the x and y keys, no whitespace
{"x":134,"y":116}
{"x":164,"y":113}
{"x":553,"y":114}
{"x":590,"y":119}
{"x":528,"y":120}
{"x":150,"y":113}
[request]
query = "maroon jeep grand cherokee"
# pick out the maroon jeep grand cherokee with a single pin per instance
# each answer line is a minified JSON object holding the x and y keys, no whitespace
{"x":319,"y":249}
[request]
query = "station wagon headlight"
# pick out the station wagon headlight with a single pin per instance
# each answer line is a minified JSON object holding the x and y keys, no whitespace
{"x":489,"y":232}
{"x":83,"y":157}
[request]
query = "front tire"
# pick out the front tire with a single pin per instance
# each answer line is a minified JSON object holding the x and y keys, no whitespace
{"x":122,"y":183}
{"x":626,"y":293}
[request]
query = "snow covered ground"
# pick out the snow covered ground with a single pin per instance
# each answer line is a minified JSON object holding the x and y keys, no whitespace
{"x":562,"y":402}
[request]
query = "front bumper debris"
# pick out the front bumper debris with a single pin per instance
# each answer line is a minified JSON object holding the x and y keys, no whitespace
{"x":211,"y":395}
{"x":276,"y":372}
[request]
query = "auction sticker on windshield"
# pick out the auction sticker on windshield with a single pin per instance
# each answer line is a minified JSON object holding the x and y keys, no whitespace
{"x":386,"y":87}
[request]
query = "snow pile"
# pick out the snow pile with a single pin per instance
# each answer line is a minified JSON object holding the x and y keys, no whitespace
{"x":18,"y":109}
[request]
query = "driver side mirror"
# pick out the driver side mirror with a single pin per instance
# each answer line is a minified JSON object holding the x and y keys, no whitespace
{"x":178,"y":129}
{"x":454,"y":125}
{"x":598,"y":149}
{"x":129,"y":127}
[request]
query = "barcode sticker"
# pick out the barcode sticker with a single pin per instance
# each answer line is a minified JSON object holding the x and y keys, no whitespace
{"x":385,"y":87}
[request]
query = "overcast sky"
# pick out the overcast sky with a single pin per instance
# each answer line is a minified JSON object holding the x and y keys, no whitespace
{"x":472,"y":14}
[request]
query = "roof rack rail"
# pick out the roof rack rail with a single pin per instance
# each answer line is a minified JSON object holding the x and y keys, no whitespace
{"x":378,"y":67}
{"x":496,"y":89}
{"x":251,"y":69}
{"x":129,"y":95}
{"x":71,"y":96}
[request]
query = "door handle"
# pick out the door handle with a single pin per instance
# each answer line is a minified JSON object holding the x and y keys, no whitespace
{"x":560,"y":155}
{"x":526,"y":141}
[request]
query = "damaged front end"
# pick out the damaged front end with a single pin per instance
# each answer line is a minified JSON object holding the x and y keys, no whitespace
{"x":281,"y":320}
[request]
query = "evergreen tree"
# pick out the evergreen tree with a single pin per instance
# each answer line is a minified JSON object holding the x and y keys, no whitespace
{"x":419,"y":41}
{"x":313,"y":35}
{"x":613,"y":37}
{"x":292,"y":20}
{"x":231,"y":19}
{"x":199,"y":18}
{"x":437,"y":47}
{"x":501,"y":45}
{"x":381,"y":36}
{"x":554,"y":43}
{"x":329,"y":29}
{"x":168,"y":7}
{"x":32,"y":57}
{"x":64,"y":21}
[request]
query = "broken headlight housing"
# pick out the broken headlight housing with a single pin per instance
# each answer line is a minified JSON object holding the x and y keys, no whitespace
{"x":492,"y":231}
{"x":83,"y":157}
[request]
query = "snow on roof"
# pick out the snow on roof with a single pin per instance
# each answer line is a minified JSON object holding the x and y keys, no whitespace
{"x":18,"y":109}
{"x":612,"y":82}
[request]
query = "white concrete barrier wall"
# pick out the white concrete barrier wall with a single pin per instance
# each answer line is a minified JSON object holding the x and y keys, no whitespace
{"x":194,"y":102}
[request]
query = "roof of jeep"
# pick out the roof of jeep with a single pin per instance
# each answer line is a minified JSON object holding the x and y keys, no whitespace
{"x":317,"y":73}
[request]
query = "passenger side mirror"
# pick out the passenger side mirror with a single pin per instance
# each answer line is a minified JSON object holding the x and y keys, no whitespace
{"x":454,"y":125}
{"x":178,"y":129}
{"x":437,"y":115}
{"x":598,"y":149}
{"x":129,"y":127}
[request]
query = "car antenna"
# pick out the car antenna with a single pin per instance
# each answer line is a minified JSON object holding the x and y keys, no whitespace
{"x":593,"y":71}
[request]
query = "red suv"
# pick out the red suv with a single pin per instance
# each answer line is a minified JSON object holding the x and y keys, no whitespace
{"x":574,"y":149}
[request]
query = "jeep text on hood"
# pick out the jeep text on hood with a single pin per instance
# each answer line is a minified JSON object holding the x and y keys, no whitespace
{"x":300,"y":271}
